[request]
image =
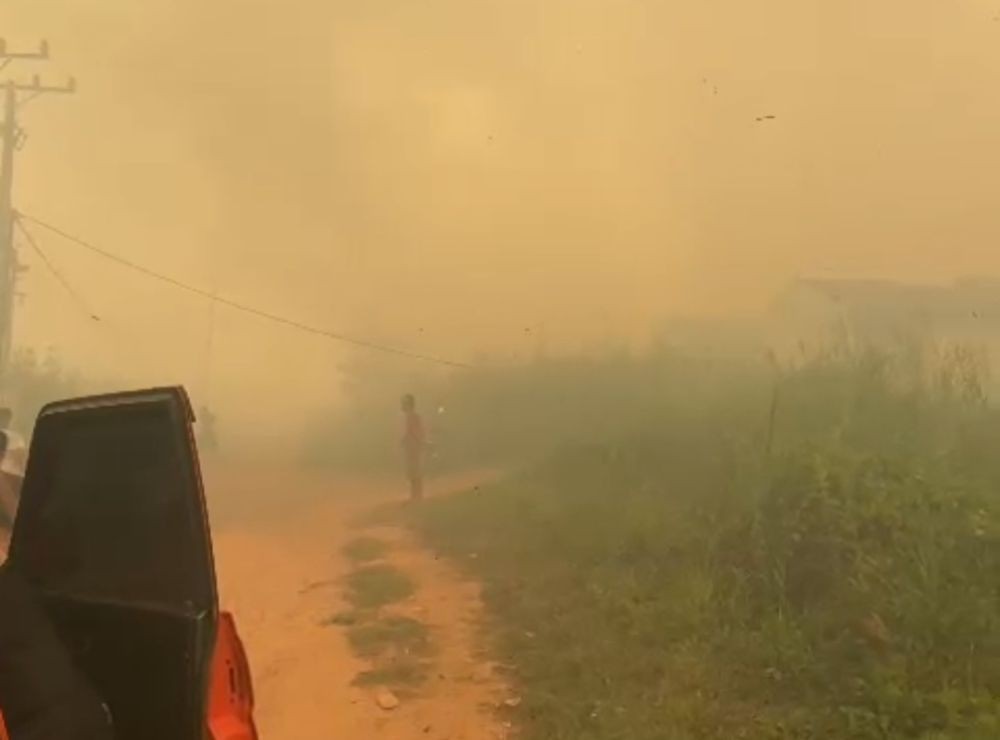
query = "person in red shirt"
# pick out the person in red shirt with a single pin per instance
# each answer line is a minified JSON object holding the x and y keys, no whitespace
{"x":414,"y":446}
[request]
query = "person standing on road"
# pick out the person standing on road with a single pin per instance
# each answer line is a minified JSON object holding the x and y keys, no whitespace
{"x":9,"y":500}
{"x":13,"y":461}
{"x":13,"y":457}
{"x":16,"y":455}
{"x":414,"y":446}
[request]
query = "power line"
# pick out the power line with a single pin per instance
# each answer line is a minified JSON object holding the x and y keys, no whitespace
{"x":245,"y":308}
{"x":33,"y":243}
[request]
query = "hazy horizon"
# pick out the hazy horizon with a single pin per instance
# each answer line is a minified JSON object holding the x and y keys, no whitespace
{"x":453,"y":178}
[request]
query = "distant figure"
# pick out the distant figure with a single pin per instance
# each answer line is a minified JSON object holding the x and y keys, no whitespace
{"x":13,"y":454}
{"x":414,"y":446}
{"x":208,"y":439}
{"x":16,"y":456}
{"x":8,"y":505}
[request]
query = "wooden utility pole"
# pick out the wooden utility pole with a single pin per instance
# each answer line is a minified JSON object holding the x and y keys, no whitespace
{"x":15,"y":94}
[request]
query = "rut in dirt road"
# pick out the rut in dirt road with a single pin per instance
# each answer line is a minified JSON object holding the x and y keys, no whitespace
{"x":352,"y":633}
{"x":416,"y":625}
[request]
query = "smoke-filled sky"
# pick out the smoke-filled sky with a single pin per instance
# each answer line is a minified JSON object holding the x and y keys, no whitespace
{"x":444,"y":175}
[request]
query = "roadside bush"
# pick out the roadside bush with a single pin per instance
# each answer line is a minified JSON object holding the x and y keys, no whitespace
{"x":33,"y":381}
{"x":710,"y":575}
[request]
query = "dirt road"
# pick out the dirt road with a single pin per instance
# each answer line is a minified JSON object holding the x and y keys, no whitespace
{"x":280,"y":550}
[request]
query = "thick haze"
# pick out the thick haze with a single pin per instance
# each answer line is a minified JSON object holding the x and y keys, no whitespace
{"x":445,"y":174}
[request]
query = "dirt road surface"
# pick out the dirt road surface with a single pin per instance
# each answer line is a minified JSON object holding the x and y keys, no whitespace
{"x":279,"y":539}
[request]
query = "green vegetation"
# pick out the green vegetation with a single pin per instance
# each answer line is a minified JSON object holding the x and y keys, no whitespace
{"x":398,"y":673}
{"x":714,"y":571}
{"x":391,"y":635}
{"x":501,"y":415}
{"x":365,"y":550}
{"x":32,"y":381}
{"x":396,"y":646}
{"x":347,"y":618}
{"x":376,"y":586}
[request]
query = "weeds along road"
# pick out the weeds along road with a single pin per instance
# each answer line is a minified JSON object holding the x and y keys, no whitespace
{"x":353,"y":630}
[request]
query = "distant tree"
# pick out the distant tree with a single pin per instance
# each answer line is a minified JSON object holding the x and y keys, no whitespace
{"x":32,"y":381}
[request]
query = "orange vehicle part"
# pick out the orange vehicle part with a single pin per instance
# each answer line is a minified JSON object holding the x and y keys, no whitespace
{"x":230,"y":699}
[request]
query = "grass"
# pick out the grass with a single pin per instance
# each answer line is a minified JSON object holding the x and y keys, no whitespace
{"x":676,"y":582}
{"x":496,"y":414}
{"x":396,"y":646}
{"x":634,"y":616}
{"x":375,"y":586}
{"x":347,"y":618}
{"x":397,"y":674}
{"x":365,"y":550}
{"x":391,"y":635}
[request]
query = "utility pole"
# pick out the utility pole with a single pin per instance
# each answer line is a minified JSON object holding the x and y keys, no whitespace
{"x":16,"y":93}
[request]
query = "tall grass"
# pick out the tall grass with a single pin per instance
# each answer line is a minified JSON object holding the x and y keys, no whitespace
{"x":501,"y":415}
{"x":700,"y":568}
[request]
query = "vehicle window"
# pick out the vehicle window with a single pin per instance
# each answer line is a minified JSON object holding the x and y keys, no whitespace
{"x":112,"y":513}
